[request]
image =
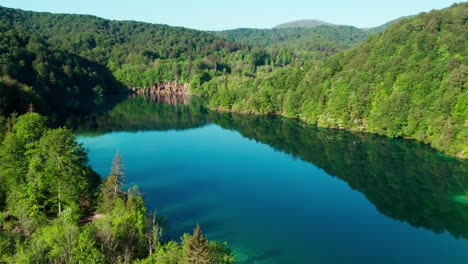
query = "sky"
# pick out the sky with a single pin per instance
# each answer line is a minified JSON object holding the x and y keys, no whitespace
{"x":223,"y":14}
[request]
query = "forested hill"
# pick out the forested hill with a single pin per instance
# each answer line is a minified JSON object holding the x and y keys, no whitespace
{"x":107,"y":41}
{"x":305,"y":23}
{"x":318,"y":37}
{"x":322,"y":39}
{"x":33,"y":73}
{"x":136,"y":54}
{"x":142,"y":54}
{"x":409,"y":81}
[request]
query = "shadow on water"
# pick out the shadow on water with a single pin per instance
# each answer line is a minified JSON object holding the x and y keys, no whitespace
{"x":405,"y":180}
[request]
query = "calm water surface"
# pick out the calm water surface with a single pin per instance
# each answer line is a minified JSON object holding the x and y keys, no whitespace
{"x":280,"y":191}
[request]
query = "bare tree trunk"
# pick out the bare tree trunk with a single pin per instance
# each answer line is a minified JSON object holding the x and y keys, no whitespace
{"x":59,"y":202}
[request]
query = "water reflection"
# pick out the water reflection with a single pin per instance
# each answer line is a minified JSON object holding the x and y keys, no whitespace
{"x":405,"y":180}
{"x":139,"y":113}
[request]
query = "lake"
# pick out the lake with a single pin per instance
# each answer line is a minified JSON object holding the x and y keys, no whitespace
{"x":281,"y":191}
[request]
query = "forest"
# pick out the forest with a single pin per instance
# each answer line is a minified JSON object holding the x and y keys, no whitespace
{"x":404,"y":81}
{"x":55,"y":208}
{"x":409,"y":81}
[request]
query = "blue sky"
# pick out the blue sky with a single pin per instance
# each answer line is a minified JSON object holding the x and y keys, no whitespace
{"x":222,"y":14}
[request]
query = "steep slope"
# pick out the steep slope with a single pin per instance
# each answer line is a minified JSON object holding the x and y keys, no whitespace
{"x":33,"y":73}
{"x":409,"y":81}
{"x":305,"y":23}
{"x":138,"y":54}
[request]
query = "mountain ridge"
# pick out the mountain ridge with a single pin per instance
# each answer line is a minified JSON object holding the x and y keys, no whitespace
{"x":307,"y":23}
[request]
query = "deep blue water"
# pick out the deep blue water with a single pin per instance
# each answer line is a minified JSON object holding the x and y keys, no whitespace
{"x":308,"y":196}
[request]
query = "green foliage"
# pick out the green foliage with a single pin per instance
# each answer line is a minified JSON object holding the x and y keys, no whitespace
{"x":59,"y":171}
{"x":196,"y":248}
{"x":111,"y":190}
{"x":315,"y":42}
{"x":29,"y":128}
{"x":408,"y":82}
{"x":138,"y":54}
{"x":33,"y":73}
{"x":47,"y":193}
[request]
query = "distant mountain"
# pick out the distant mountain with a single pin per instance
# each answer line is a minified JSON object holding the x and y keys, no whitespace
{"x":305,"y":23}
{"x":324,"y":38}
{"x":312,"y":23}
{"x":305,"y":35}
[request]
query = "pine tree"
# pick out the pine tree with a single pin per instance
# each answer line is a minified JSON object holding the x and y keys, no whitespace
{"x":118,"y":172}
{"x":112,"y":186}
{"x":196,"y":248}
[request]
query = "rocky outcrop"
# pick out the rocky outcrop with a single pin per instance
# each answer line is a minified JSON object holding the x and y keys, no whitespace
{"x":163,"y":88}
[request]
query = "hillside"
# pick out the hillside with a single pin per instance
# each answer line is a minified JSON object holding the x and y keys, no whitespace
{"x":383,"y":27}
{"x":322,"y":39}
{"x":305,"y":23}
{"x":48,"y":78}
{"x":136,"y":54}
{"x":142,"y":54}
{"x":408,"y":82}
{"x":306,"y":36}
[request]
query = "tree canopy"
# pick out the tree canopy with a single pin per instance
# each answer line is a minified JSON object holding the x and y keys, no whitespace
{"x":54,"y":208}
{"x":409,"y":81}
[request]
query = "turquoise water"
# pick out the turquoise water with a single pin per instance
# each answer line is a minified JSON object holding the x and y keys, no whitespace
{"x":282,"y":192}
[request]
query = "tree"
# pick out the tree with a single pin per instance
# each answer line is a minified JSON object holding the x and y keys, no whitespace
{"x":59,"y":170}
{"x":196,"y":249}
{"x":112,"y":186}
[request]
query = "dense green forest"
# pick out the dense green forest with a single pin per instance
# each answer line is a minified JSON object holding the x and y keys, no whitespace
{"x":409,"y":81}
{"x":55,"y":209}
{"x":142,"y":54}
{"x":31,"y":72}
{"x":313,"y":39}
{"x":316,"y":42}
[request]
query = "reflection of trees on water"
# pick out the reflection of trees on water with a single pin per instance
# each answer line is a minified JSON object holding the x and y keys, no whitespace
{"x":405,"y":180}
{"x":142,"y":112}
{"x":166,"y":98}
